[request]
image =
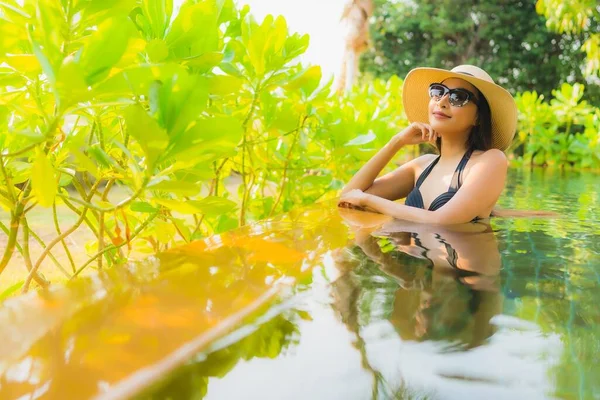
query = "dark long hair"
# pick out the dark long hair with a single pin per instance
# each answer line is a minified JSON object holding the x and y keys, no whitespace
{"x":480,"y":137}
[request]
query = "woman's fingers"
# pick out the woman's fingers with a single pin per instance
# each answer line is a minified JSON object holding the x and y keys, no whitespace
{"x":424,"y":132}
{"x":431,"y":137}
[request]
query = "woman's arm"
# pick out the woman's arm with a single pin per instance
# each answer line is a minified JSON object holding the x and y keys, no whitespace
{"x":398,"y":183}
{"x":481,"y":190}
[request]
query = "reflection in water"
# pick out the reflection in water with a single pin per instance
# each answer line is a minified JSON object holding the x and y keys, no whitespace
{"x":451,"y":291}
{"x":112,"y":334}
{"x":328,"y":304}
{"x":445,"y":286}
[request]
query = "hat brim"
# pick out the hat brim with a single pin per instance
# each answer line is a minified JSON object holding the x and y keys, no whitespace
{"x":415,"y":98}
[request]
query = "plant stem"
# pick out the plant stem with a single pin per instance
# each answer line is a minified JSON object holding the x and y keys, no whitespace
{"x":91,"y":206}
{"x":56,"y":240}
{"x":112,"y":246}
{"x":285,"y":168}
{"x":244,"y":141}
{"x":14,"y":229}
{"x":101,"y":222}
{"x":54,"y":260}
{"x":9,"y":186}
{"x":27,"y":256}
{"x":64,"y":244}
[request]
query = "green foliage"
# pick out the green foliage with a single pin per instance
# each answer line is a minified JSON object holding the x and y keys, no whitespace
{"x":564,"y":131}
{"x":507,"y":38}
{"x":581,"y":16}
{"x":100,"y":98}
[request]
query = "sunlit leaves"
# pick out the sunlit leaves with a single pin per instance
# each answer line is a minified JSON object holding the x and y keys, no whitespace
{"x":210,"y":206}
{"x":158,"y":15}
{"x":561,"y":132}
{"x":43,"y":180}
{"x":150,"y":136}
{"x":574,"y":17}
{"x":194,"y":31}
{"x":104,"y":48}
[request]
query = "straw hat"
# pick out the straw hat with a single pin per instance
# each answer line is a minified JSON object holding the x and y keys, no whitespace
{"x":503,"y":108}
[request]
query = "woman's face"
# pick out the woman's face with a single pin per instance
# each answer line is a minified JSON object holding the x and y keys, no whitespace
{"x":460,"y":119}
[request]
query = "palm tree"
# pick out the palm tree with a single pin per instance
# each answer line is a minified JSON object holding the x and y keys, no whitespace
{"x":355,"y":18}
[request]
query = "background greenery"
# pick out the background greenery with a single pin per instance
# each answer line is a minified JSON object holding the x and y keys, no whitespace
{"x":145,"y":128}
{"x":523,"y":49}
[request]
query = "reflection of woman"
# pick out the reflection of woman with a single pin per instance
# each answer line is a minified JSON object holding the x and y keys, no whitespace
{"x":450,"y":295}
{"x":472,"y":121}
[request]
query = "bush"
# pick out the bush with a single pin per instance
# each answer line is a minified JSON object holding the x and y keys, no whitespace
{"x":112,"y":97}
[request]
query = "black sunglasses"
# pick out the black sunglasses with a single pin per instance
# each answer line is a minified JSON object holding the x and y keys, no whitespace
{"x":458,"y":97}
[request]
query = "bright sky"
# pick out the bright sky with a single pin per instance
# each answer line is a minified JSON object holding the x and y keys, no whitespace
{"x":319,"y":18}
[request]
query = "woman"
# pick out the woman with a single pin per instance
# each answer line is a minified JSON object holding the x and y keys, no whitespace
{"x":472,"y":121}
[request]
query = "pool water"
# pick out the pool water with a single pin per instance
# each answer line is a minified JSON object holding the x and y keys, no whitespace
{"x":508,"y":310}
{"x":328,"y":303}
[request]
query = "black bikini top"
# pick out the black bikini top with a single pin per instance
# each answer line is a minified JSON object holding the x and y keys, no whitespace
{"x":414,"y":198}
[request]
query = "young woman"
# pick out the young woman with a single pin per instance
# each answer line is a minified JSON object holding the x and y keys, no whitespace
{"x":472,"y":121}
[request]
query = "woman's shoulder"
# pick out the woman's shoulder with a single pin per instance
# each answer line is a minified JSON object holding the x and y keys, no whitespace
{"x":491,"y":156}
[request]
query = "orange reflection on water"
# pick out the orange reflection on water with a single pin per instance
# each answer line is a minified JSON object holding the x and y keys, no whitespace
{"x":111,"y":334}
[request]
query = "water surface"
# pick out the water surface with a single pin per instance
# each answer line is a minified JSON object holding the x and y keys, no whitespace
{"x":324,"y":303}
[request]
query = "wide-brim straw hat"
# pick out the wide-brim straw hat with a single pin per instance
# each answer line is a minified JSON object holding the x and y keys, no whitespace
{"x":415,"y":97}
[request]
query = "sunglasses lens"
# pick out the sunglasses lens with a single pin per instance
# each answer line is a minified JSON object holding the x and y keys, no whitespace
{"x":458,"y":98}
{"x":436,"y":91}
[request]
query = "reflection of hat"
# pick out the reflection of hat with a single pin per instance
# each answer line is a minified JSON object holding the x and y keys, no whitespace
{"x":503,"y":108}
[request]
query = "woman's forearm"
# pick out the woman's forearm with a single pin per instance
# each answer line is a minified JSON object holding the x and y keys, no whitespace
{"x":401,"y":211}
{"x":365,"y":177}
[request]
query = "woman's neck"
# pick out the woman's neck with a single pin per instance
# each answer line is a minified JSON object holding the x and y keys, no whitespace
{"x":452,"y":149}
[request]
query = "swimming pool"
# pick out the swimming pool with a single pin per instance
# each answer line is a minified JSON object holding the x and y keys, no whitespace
{"x":324,"y":303}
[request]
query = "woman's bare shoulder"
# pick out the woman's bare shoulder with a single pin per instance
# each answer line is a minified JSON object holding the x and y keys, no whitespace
{"x":490,"y":156}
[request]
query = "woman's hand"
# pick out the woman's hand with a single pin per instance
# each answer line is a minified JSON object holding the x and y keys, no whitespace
{"x":416,"y":133}
{"x":355,"y":198}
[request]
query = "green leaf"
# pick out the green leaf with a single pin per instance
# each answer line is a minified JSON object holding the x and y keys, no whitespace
{"x":226,"y":223}
{"x":231,"y":69}
{"x":103,"y":159}
{"x":11,"y":290}
{"x":208,"y":139}
{"x":43,"y":180}
{"x":104,"y":48}
{"x":179,"y":101}
{"x":183,"y":207}
{"x":182,"y":228}
{"x":306,"y":81}
{"x":165,"y":231}
{"x":205,"y":62}
{"x":20,"y":171}
{"x":158,"y":13}
{"x":214,"y":205}
{"x":146,"y":131}
{"x":84,"y":163}
{"x":176,"y":187}
{"x":44,"y":62}
{"x":224,"y":84}
{"x":362,"y":139}
{"x":157,"y":50}
{"x":195,"y":31}
{"x":71,"y":86}
{"x":143,"y":207}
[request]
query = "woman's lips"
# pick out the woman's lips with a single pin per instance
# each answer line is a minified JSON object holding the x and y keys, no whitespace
{"x":440,"y":116}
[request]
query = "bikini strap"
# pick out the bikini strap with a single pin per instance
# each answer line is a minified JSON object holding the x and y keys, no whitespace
{"x":457,"y":177}
{"x":426,"y":172}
